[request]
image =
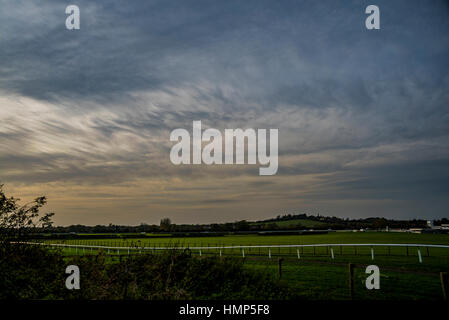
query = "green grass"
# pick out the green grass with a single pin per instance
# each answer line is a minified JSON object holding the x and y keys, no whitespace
{"x":333,"y":237}
{"x":316,"y":275}
{"x":314,"y":281}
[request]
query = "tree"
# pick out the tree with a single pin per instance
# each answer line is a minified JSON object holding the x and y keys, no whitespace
{"x":165,"y":224}
{"x":18,"y":220}
{"x":26,"y":271}
{"x":242,"y":225}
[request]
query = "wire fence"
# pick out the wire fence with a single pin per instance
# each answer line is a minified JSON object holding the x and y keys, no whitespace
{"x":323,"y":264}
{"x":372,"y":250}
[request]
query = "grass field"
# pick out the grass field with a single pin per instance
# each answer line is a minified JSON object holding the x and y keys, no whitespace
{"x":316,"y":275}
{"x":236,"y":240}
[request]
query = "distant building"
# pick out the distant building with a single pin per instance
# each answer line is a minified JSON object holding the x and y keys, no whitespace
{"x":430,"y":223}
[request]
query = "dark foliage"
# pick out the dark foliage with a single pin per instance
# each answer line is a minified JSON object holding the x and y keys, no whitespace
{"x":33,"y":272}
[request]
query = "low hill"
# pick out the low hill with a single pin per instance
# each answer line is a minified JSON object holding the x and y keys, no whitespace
{"x":293,"y":223}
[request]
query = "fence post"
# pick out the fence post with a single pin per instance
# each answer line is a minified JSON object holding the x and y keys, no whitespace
{"x":443,"y":279}
{"x":419,"y":256}
{"x":280,"y":267}
{"x":269,"y":253}
{"x":297,"y":251}
{"x":427,"y":251}
{"x":351,"y":280}
{"x":313,"y":250}
{"x":406,"y":248}
{"x":332,"y":253}
{"x":372,"y":253}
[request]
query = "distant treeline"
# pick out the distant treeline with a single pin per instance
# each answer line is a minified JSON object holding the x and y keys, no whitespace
{"x":323,"y":223}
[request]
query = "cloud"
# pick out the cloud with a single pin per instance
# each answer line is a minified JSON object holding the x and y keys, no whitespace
{"x":86,"y":115}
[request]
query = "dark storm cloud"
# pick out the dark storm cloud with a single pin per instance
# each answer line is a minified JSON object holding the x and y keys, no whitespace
{"x":96,"y":105}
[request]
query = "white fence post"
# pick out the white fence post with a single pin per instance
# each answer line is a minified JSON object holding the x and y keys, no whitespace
{"x":297,"y":251}
{"x":419,"y":256}
{"x":243,"y":253}
{"x":372,"y":253}
{"x":269,"y":253}
{"x":332,"y":253}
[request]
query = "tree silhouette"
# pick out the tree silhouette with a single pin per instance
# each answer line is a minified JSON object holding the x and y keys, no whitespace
{"x":18,"y":220}
{"x":165,"y":224}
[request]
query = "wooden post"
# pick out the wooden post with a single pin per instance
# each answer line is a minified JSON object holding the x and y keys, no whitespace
{"x":443,"y":279}
{"x":280,"y":267}
{"x":351,"y":280}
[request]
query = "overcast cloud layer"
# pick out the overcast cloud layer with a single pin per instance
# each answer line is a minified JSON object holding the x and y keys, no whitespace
{"x":363,"y":115}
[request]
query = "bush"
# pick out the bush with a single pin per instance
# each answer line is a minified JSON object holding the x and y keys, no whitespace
{"x":32,"y":272}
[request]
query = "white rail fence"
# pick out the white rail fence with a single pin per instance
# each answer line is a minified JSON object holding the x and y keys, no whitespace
{"x":330,"y":246}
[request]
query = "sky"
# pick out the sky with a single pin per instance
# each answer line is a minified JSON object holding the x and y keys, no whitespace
{"x":363,"y":115}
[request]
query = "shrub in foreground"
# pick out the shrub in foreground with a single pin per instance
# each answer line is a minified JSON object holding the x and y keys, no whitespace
{"x":32,"y":272}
